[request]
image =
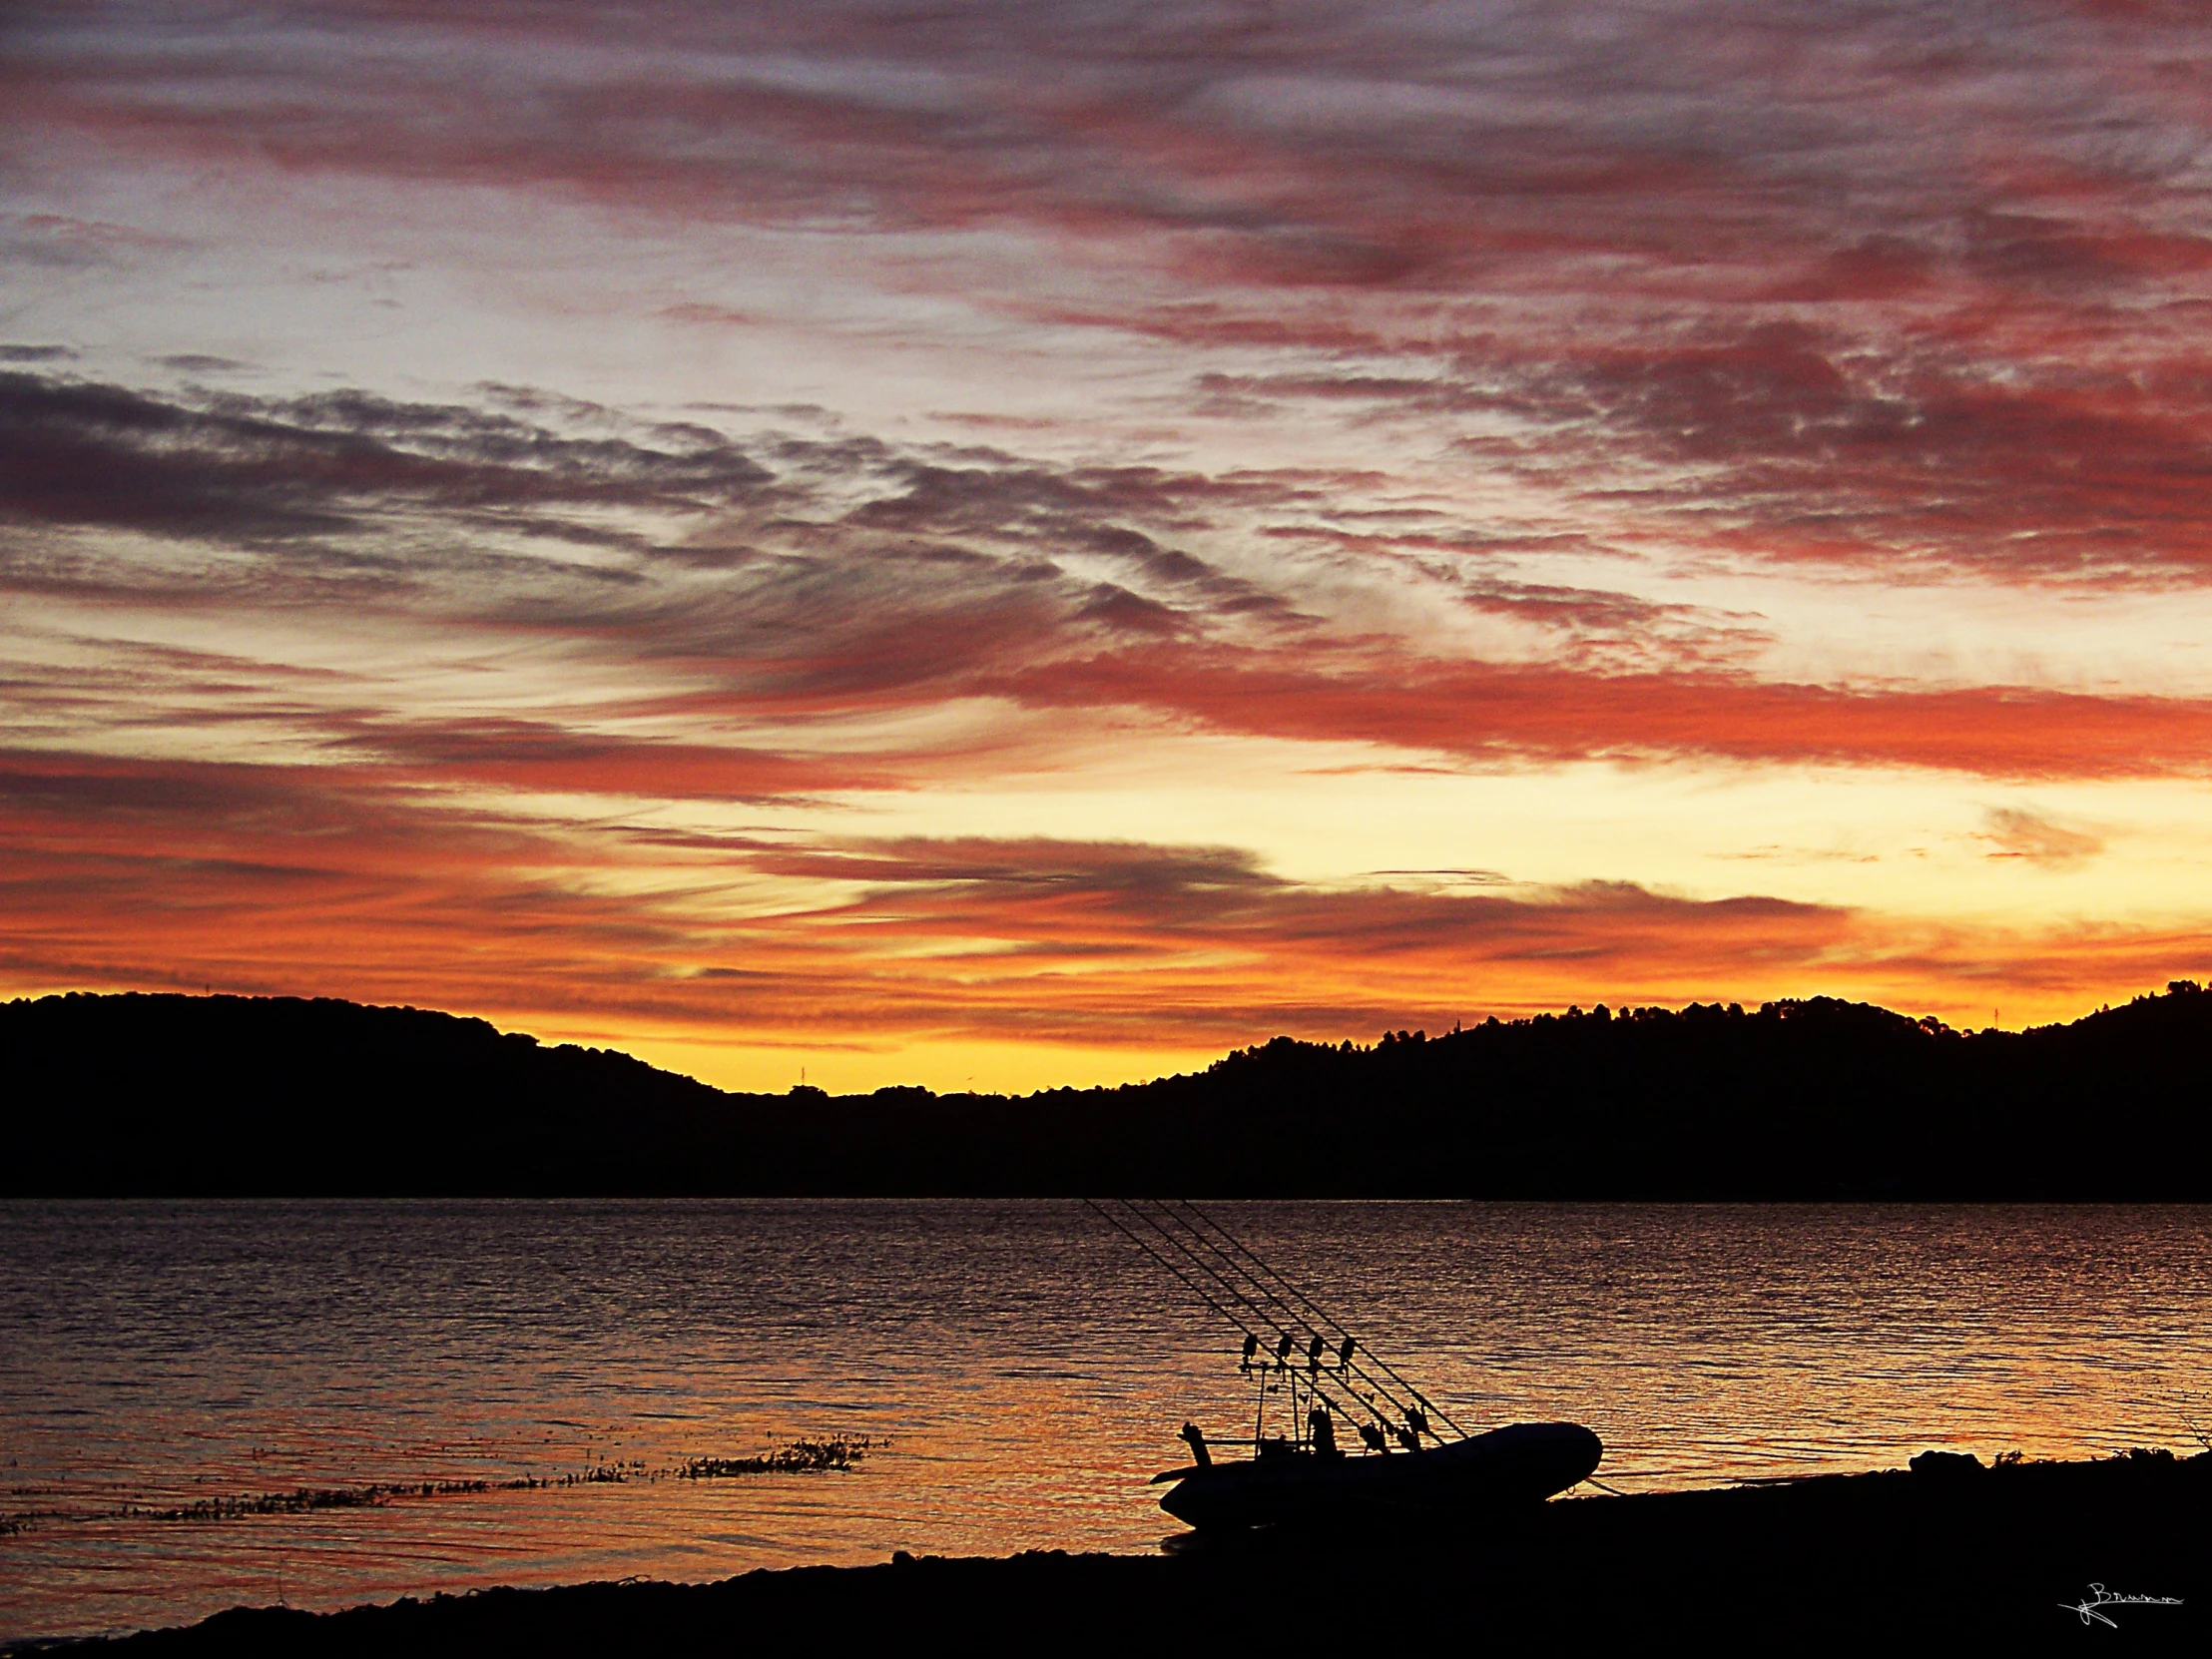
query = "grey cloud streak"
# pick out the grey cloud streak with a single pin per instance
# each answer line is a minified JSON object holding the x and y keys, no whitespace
{"x":1913,"y":286}
{"x":784,"y":581}
{"x":813,"y":568}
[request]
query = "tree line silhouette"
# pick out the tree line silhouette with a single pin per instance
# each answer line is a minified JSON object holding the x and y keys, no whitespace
{"x":1814,"y":1099}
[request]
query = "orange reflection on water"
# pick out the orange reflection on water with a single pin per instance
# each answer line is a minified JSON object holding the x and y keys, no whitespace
{"x":1027,"y":1366}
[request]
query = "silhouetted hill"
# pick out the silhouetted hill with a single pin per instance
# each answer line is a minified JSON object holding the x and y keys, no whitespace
{"x":1800,"y":1100}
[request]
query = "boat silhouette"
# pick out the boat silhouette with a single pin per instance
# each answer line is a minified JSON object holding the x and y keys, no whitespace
{"x":1406,"y":1466}
{"x":1525,"y":1463}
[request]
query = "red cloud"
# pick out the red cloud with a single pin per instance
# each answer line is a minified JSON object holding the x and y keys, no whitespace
{"x":326,"y":881}
{"x":1810,"y":289}
{"x":1490,"y":711}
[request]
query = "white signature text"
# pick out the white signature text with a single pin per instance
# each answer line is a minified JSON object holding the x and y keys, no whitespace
{"x":2099,"y":1596}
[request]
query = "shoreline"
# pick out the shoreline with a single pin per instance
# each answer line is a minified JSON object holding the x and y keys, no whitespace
{"x":2014,"y":1551}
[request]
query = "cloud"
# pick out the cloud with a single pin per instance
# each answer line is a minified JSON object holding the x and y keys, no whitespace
{"x":1615,"y":312}
{"x":201,"y":363}
{"x":1865,"y":286}
{"x":345,"y":881}
{"x":2017,"y":834}
{"x":229,"y":468}
{"x":2020,"y":472}
{"x":776,"y":578}
{"x":1547,"y":712}
{"x":539,"y":757}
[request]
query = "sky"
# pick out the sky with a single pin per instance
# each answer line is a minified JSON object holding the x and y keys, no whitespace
{"x":999,"y":545}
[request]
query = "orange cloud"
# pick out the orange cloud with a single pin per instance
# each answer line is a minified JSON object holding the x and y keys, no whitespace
{"x":322,"y":882}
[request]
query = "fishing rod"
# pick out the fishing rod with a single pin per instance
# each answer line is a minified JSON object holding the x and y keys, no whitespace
{"x":1402,"y":1421}
{"x":1195,"y":1289}
{"x":1399,"y":1408}
{"x":1319,"y":1312}
{"x":1288,"y":1341}
{"x":1262,"y":1316}
{"x":1305,"y":1475}
{"x":1252,"y":1337}
{"x":1351,"y":1345}
{"x":1345,"y":1363}
{"x":1288,"y":1332}
{"x":1320,"y":1343}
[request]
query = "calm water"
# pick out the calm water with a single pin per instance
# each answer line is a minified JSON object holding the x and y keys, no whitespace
{"x":1028,"y":1366}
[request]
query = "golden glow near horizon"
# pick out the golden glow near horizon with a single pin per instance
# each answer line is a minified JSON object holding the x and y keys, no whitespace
{"x":1019,"y":548}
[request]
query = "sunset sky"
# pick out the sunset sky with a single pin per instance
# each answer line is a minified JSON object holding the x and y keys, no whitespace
{"x":1036,"y":543}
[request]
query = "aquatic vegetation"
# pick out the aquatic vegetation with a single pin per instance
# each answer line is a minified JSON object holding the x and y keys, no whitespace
{"x":799,"y":1457}
{"x":297,"y":1503}
{"x":307,"y":1499}
{"x":603,"y":1474}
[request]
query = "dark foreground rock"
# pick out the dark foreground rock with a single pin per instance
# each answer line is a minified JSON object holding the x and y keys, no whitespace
{"x":1981,"y":1556}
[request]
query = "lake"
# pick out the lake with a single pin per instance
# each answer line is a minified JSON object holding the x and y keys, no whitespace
{"x":1025,"y":1366}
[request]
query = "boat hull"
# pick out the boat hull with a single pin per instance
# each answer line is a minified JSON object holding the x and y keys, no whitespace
{"x":1507,"y":1467}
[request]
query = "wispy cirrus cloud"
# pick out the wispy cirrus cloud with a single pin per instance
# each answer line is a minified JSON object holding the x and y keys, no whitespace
{"x":822,"y":580}
{"x":960,"y":410}
{"x":1878,"y":284}
{"x":234,"y":469}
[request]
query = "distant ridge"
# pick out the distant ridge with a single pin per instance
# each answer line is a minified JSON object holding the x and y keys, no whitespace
{"x":1818,"y":1099}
